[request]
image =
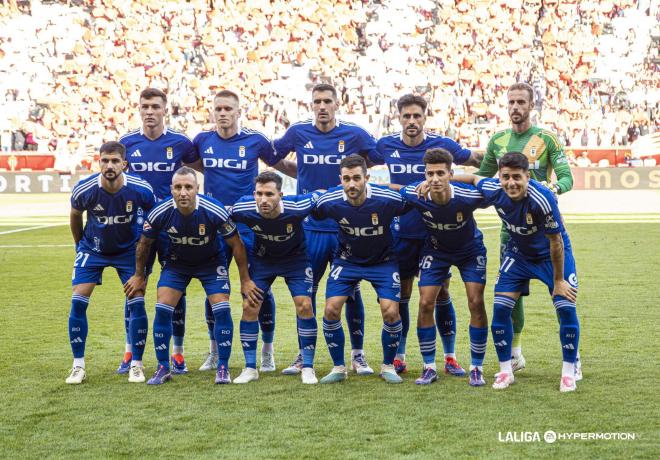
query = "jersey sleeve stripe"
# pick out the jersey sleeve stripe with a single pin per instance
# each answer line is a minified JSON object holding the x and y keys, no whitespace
{"x":130,"y":133}
{"x":139,"y":182}
{"x":330,"y":196}
{"x":82,"y":188}
{"x":386,"y":193}
{"x":161,"y":208}
{"x":540,"y":199}
{"x":213,"y":207}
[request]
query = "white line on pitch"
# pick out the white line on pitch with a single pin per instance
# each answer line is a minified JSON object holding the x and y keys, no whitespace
{"x":6,"y":232}
{"x":4,"y":246}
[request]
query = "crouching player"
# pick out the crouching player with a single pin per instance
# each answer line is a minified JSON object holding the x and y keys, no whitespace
{"x":364,"y":213}
{"x":192,"y":222}
{"x":114,"y":203}
{"x":539,"y":248}
{"x":452,"y":239}
{"x":279,"y":250}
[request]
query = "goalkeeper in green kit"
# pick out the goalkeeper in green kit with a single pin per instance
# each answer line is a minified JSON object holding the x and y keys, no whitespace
{"x":545,"y":155}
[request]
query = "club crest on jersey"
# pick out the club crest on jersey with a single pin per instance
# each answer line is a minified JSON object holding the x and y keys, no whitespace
{"x":459,"y":217}
{"x":341,"y":147}
{"x":202,"y":229}
{"x":289,"y":228}
{"x":530,"y":220}
{"x":169,"y":152}
{"x":374,"y":218}
{"x":129,"y":206}
{"x":532,"y":151}
{"x":241,"y":151}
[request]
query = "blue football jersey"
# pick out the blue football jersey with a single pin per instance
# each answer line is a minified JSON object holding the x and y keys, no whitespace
{"x":318,"y":155}
{"x":282,"y":236}
{"x":527,"y":221}
{"x":230,"y":165}
{"x":451,"y":227}
{"x":156,"y":161}
{"x":365,"y":237}
{"x":114,"y":220}
{"x":405,"y":166}
{"x":193,"y":239}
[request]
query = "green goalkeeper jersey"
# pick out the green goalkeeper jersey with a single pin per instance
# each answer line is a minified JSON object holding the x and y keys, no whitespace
{"x":541,"y":148}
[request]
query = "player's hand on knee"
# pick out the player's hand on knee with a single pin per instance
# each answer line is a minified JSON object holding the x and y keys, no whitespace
{"x":564,"y":289}
{"x":422,"y":190}
{"x":135,"y":285}
{"x":251,"y":292}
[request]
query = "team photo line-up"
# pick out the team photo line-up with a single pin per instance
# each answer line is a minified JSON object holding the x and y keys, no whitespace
{"x":145,"y":204}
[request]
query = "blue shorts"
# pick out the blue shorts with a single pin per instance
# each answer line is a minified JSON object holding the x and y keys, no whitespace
{"x":345,"y":276}
{"x":297,"y":273}
{"x":435,"y":266}
{"x":321,"y":248}
{"x":516,"y":271}
{"x":214,"y":278}
{"x":88,"y":266}
{"x":408,"y":252}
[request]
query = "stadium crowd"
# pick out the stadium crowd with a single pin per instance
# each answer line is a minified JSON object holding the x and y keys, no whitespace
{"x":71,"y":71}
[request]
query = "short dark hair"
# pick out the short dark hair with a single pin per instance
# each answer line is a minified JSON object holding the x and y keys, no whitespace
{"x":438,"y":156}
{"x":514,"y":160}
{"x":411,"y":99}
{"x":325,"y":87}
{"x":353,"y":161}
{"x":269,"y":176}
{"x":227,"y":93}
{"x":522,"y":86}
{"x":184,"y":171}
{"x":150,"y":93}
{"x":113,"y":147}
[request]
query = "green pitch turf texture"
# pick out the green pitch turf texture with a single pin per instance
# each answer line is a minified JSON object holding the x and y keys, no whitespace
{"x":278,"y":417}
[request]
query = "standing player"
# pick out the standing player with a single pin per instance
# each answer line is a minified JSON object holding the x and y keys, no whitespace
{"x":279,"y":250}
{"x":229,"y":156}
{"x":545,"y":154}
{"x":453,"y":239}
{"x":115,"y":203}
{"x":320,"y":145}
{"x":364,"y":213}
{"x":154,"y":152}
{"x":538,"y":248}
{"x":192,"y":223}
{"x":402,"y":152}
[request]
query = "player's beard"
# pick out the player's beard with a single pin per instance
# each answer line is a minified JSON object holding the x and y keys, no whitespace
{"x":110,"y":176}
{"x":521,"y":118}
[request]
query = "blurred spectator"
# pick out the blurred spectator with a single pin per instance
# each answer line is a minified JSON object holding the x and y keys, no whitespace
{"x":76,"y":68}
{"x":583,"y":160}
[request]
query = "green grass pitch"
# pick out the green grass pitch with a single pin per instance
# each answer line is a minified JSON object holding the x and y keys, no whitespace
{"x":278,"y":417}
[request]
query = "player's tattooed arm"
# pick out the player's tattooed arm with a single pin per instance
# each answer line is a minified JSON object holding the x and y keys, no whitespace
{"x":287,"y":167}
{"x":137,"y":284}
{"x":561,"y":286}
{"x":249,"y":290}
{"x":475,"y":159}
{"x":76,"y":224}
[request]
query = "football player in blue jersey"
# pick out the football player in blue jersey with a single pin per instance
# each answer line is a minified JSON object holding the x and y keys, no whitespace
{"x":279,"y":250}
{"x":192,"y":222}
{"x":364,"y":213}
{"x":320,"y":144}
{"x":452,"y":239}
{"x":154,"y":152}
{"x":403,"y":152}
{"x":115,"y":203}
{"x":539,"y":248}
{"x":229,"y":158}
